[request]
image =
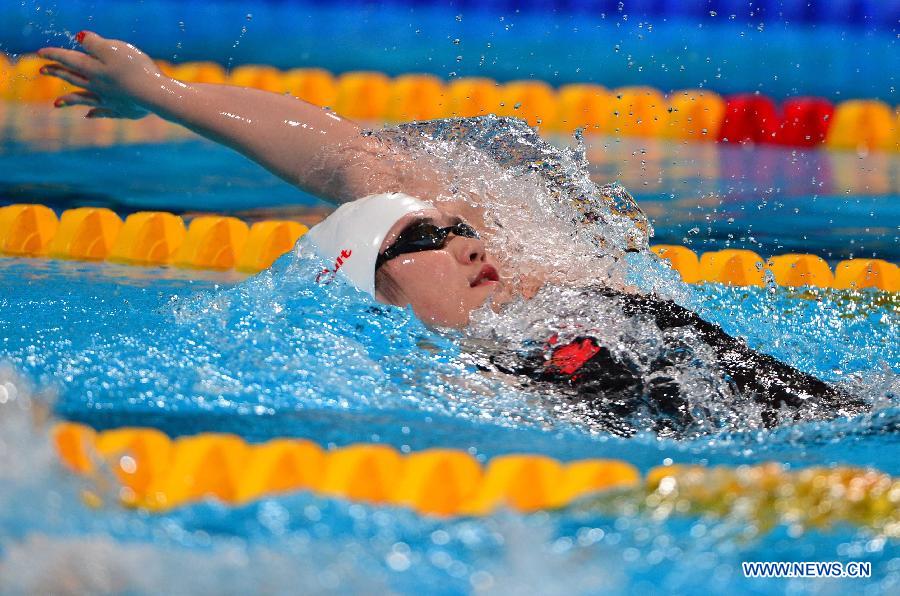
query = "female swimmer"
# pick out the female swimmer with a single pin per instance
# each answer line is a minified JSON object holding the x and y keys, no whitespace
{"x":405,"y":251}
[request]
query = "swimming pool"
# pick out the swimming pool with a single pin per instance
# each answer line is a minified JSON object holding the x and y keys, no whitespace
{"x":265,"y":357}
{"x":186,"y":429}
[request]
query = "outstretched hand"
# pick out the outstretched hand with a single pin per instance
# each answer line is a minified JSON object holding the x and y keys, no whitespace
{"x":309,"y":147}
{"x":115,"y":76}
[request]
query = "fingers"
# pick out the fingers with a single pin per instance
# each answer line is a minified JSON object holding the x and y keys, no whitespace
{"x":71,"y":59}
{"x":77,"y":98}
{"x":93,"y":44}
{"x":55,"y":70}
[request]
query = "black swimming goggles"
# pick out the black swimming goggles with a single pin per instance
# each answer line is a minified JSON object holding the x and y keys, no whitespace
{"x":423,"y":236}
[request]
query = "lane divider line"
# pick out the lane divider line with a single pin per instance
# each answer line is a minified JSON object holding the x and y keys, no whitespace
{"x":688,"y":114}
{"x":223,"y":243}
{"x":156,"y":473}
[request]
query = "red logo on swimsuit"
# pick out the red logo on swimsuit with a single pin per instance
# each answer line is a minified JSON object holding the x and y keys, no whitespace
{"x":569,"y":358}
{"x":338,"y":263}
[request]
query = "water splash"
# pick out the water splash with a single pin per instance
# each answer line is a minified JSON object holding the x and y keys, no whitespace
{"x":136,"y":347}
{"x":551,"y":222}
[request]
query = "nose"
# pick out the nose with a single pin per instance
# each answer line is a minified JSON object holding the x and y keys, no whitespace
{"x":467,"y":250}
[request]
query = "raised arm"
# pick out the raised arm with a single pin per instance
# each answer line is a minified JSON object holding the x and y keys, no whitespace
{"x":309,"y":146}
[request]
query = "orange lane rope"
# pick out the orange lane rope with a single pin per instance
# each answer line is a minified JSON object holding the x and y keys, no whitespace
{"x":643,"y":111}
{"x":221,"y":242}
{"x":157,"y":473}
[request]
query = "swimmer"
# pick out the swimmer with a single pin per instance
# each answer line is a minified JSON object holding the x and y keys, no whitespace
{"x":406,"y":251}
{"x":403,"y":251}
{"x":309,"y":146}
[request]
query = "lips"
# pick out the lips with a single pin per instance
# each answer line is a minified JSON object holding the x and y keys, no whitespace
{"x":486,"y":275}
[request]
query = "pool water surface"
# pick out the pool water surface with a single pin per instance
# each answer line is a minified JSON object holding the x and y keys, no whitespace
{"x":270,"y":356}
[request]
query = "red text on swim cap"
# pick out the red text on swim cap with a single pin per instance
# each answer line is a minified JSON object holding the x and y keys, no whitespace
{"x":338,"y":263}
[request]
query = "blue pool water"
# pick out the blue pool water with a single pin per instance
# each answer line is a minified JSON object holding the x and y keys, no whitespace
{"x":275,"y":355}
{"x":269,"y":357}
{"x":186,"y":353}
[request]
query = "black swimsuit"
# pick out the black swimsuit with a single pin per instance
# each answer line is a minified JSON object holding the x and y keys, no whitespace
{"x":611,"y":389}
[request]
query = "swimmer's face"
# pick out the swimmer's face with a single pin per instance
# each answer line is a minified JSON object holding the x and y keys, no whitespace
{"x":443,"y":286}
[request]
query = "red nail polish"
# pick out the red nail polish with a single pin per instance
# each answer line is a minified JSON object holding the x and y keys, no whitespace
{"x":80,"y":36}
{"x":42,"y":70}
{"x":59,"y":103}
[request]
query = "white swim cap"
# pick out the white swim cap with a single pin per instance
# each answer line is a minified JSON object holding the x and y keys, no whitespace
{"x":350,"y":238}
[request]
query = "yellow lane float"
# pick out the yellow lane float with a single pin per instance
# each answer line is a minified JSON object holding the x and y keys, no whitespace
{"x":314,"y":85}
{"x":588,"y":107}
{"x":266,"y":78}
{"x":26,"y":230}
{"x":212,"y":242}
{"x":638,"y":111}
{"x":863,"y":124}
{"x":363,"y":95}
{"x":220,"y":242}
{"x":867,"y":273}
{"x":416,"y":97}
{"x":157,"y":473}
{"x":694,"y":114}
{"x":732,"y":266}
{"x":857,"y":124}
{"x":681,"y":259}
{"x":798,"y":270}
{"x":85,"y":233}
{"x":473,"y":97}
{"x":267,"y":241}
{"x":149,"y":238}
{"x":532,"y":101}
